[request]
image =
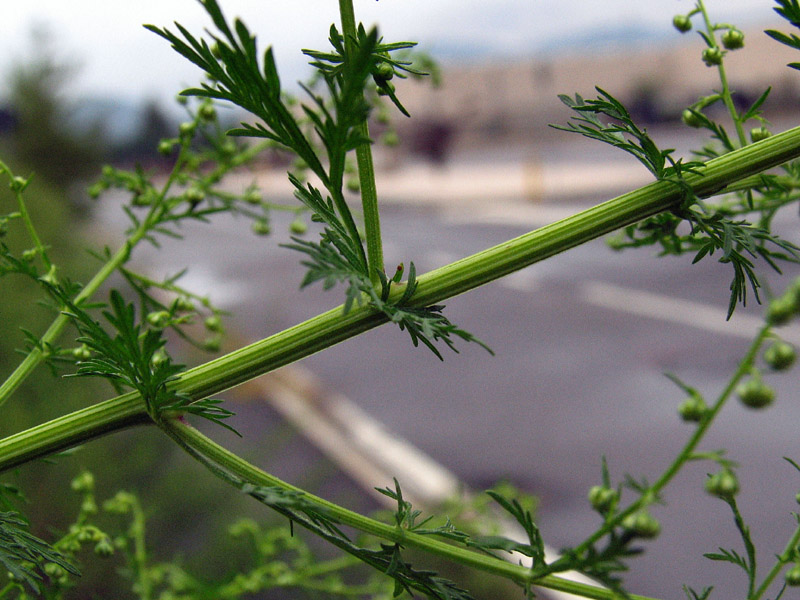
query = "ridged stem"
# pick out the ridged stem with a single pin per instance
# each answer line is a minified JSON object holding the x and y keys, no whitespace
{"x":333,"y":326}
{"x":189,"y":437}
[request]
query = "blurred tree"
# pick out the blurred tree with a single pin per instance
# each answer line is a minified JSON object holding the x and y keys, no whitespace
{"x":44,"y":139}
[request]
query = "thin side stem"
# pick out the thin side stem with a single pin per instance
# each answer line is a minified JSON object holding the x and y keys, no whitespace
{"x":366,"y":168}
{"x":782,"y":560}
{"x":26,"y":218}
{"x":35,"y":357}
{"x":723,"y":78}
{"x":688,"y":451}
{"x":189,"y":437}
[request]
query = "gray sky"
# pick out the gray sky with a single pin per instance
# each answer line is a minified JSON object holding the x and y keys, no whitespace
{"x":119,"y":58}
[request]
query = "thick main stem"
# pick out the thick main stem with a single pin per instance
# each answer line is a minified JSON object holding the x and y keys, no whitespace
{"x":332,"y":327}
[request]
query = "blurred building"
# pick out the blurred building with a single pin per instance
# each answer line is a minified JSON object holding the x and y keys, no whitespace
{"x":513,"y":101}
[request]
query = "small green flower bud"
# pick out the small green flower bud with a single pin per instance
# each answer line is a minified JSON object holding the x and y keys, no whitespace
{"x":682,"y":23}
{"x":213,"y":323}
{"x":781,"y":310}
{"x":165,"y":147}
{"x":186,"y":129}
{"x":383,"y":72}
{"x":207,"y":112}
{"x":386,"y":89}
{"x":602,"y":498}
{"x":792,"y":576}
{"x":181,"y":99}
{"x":261,"y":227}
{"x":18,"y":183}
{"x":391,"y":139}
{"x":104,"y":548}
{"x":29,"y":255}
{"x":780,"y":356}
{"x":81,"y":352}
{"x":54,"y":570}
{"x":353,"y":184}
{"x":712,"y":56}
{"x":195,"y":195}
{"x":693,"y":408}
{"x":183,"y":304}
{"x":252,"y":196}
{"x":50,"y":277}
{"x":722,"y":484}
{"x":85,"y":535}
{"x":96,"y":189}
{"x":121,"y":503}
{"x":755,"y":394}
{"x":83,"y":482}
{"x":212,"y":344}
{"x":383,"y":116}
{"x":159,"y":358}
{"x":158,"y":319}
{"x":228,"y":148}
{"x":298,"y":226}
{"x":690,"y":118}
{"x":759,"y":133}
{"x":89,"y":506}
{"x":642,"y":525}
{"x":215,"y":52}
{"x":733,"y":39}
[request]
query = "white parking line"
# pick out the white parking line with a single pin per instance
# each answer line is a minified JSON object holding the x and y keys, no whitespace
{"x":677,"y":310}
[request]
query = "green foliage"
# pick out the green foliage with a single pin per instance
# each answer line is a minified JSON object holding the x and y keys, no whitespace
{"x":790,"y":11}
{"x":712,"y":229}
{"x":129,"y":346}
{"x":232,"y":63}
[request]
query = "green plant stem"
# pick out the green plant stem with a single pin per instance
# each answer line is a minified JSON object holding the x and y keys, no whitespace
{"x":333,"y":326}
{"x":727,"y":98}
{"x":366,"y":168}
{"x":35,"y":357}
{"x":26,"y":218}
{"x":137,"y":530}
{"x":235,"y":465}
{"x":782,"y":560}
{"x":73,"y":429}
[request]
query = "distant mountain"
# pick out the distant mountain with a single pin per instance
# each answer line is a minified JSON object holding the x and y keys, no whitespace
{"x":589,"y":39}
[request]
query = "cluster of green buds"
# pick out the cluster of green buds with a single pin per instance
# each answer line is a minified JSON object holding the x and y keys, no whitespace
{"x":135,"y":182}
{"x":779,"y":355}
{"x":213,"y":325}
{"x":82,"y":531}
{"x":732,"y":38}
{"x":382,"y":74}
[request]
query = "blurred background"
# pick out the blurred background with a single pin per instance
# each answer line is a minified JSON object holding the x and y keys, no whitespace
{"x":581,"y":341}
